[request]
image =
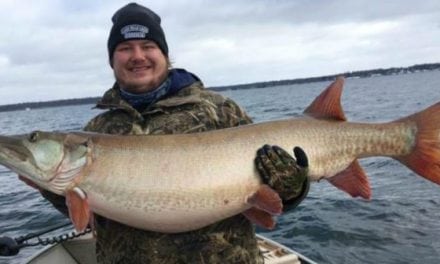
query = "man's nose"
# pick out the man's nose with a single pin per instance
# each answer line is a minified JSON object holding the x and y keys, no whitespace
{"x":138,"y":53}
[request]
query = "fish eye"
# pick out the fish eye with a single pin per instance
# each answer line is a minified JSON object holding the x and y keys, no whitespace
{"x":33,"y":137}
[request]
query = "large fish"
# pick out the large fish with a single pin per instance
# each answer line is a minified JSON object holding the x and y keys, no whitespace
{"x":177,"y":183}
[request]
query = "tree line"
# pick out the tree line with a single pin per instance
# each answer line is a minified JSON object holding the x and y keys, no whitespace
{"x":359,"y":74}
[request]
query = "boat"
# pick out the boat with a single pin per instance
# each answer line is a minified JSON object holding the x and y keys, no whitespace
{"x":82,"y":250}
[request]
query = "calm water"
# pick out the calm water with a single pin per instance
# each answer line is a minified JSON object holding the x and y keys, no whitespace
{"x":401,"y":224}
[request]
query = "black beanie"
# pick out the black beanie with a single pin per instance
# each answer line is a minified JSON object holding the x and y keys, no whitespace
{"x":134,"y":21}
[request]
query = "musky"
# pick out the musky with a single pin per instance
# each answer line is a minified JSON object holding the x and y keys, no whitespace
{"x":53,"y":49}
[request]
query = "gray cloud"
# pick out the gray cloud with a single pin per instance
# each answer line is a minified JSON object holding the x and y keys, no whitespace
{"x":54,"y":49}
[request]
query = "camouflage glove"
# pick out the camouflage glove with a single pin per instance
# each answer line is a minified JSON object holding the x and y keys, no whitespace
{"x":283,"y":173}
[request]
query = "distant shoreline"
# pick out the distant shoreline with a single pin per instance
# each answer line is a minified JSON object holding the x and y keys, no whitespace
{"x":359,"y":74}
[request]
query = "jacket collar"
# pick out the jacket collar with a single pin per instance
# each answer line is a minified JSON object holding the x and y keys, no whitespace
{"x":112,"y":99}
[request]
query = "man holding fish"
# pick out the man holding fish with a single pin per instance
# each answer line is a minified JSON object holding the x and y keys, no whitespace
{"x":187,"y":197}
{"x":150,"y":97}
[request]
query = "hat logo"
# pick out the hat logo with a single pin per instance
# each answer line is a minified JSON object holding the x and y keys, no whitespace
{"x":134,"y":31}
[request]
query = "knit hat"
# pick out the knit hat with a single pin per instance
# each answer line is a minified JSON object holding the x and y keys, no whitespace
{"x":134,"y":21}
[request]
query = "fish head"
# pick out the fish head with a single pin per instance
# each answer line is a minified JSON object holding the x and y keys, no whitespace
{"x":45,"y":157}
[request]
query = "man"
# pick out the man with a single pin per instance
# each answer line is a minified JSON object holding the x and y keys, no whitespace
{"x":149,"y":97}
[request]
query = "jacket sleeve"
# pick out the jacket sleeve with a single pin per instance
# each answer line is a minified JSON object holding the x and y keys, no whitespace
{"x":232,"y":115}
{"x":58,"y":201}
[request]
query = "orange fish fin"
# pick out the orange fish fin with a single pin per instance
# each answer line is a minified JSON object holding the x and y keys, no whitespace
{"x":425,"y":156}
{"x":353,"y":180}
{"x":260,"y":218}
{"x":328,"y":104}
{"x":267,"y":200}
{"x":79,"y":211}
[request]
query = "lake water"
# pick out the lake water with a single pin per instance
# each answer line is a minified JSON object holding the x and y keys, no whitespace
{"x":400,"y":224}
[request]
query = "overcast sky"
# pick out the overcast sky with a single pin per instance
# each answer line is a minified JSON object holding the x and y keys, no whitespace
{"x":56,"y":49}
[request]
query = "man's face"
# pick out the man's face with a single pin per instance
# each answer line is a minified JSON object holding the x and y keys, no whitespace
{"x":139,"y":66}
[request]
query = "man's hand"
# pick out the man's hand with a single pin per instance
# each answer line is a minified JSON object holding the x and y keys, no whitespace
{"x":283,"y":173}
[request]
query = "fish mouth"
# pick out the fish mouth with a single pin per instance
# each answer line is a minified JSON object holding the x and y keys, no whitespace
{"x":13,"y":149}
{"x":15,"y":156}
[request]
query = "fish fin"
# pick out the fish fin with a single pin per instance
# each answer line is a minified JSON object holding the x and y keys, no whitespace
{"x":353,"y":180}
{"x":266,"y":199}
{"x":260,"y":218}
{"x":425,"y":156}
{"x":79,"y":211}
{"x":328,"y":104}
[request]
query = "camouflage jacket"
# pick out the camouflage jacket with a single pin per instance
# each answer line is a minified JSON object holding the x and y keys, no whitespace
{"x":192,"y":109}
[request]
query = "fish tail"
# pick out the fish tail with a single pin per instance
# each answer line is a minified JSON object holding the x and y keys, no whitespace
{"x":424,"y":158}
